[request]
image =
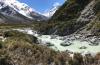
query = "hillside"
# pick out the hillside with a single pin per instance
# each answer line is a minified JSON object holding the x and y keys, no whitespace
{"x":72,"y":16}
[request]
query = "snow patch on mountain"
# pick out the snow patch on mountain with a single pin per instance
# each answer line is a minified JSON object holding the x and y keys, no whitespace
{"x":22,"y":8}
{"x":10,"y":6}
{"x":49,"y":13}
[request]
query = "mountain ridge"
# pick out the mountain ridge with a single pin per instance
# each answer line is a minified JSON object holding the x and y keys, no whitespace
{"x":13,"y":8}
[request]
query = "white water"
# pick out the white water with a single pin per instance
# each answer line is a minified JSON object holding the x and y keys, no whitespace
{"x":57,"y":40}
{"x":75,"y":47}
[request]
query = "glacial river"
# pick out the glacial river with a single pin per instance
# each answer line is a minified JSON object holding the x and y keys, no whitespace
{"x":75,"y":45}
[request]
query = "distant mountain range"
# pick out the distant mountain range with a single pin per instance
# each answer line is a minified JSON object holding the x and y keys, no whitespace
{"x":12,"y":11}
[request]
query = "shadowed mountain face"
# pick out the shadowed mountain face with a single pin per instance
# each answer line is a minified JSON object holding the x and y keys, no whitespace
{"x":73,"y":15}
{"x":15,"y":18}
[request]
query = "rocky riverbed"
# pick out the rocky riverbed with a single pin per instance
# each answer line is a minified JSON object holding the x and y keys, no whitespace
{"x":72,"y":43}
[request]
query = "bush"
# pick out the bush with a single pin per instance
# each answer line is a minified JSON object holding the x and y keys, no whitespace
{"x":25,"y":53}
{"x":20,"y":36}
{"x":13,"y":33}
{"x":1,"y":46}
{"x":77,"y":59}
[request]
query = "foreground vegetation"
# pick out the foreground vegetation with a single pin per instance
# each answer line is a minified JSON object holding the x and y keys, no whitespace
{"x":22,"y":49}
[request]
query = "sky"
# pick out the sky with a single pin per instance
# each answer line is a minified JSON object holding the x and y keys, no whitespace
{"x":42,"y":5}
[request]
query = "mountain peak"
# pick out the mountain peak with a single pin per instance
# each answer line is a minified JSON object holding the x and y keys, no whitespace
{"x":22,"y":8}
{"x":49,"y":13}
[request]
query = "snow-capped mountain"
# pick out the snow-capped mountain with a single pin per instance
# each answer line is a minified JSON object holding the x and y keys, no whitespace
{"x":13,"y":9}
{"x":49,"y":13}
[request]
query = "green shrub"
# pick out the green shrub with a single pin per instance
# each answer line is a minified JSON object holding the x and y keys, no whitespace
{"x":1,"y":44}
{"x":20,"y":36}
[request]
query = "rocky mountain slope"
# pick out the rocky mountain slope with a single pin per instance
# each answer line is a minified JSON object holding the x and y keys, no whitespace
{"x":12,"y":11}
{"x":73,"y":16}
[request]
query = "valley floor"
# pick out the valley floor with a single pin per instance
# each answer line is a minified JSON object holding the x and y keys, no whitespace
{"x":72,"y":43}
{"x":24,"y":46}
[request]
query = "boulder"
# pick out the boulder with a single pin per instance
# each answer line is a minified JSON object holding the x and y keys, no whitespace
{"x":83,"y":47}
{"x":66,"y":43}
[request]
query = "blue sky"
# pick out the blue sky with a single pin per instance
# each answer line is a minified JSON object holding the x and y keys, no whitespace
{"x":42,"y":5}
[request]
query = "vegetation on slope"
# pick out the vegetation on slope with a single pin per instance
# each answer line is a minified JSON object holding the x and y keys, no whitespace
{"x":94,"y":25}
{"x":64,"y":21}
{"x":71,"y":9}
